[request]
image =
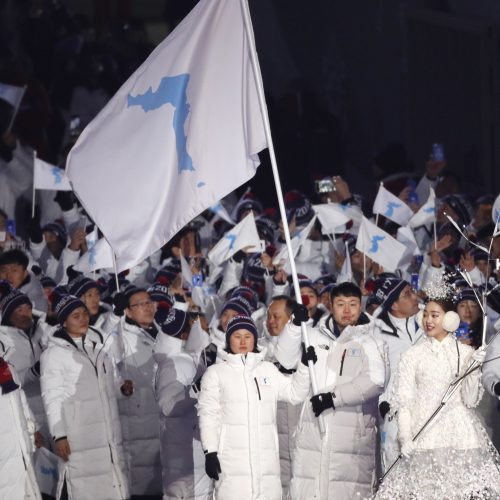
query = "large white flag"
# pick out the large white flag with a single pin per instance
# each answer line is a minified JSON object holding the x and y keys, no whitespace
{"x":407,"y":238}
{"x":12,"y":94}
{"x":392,"y":207}
{"x":379,"y":245}
{"x":98,"y":256}
{"x":426,"y":213}
{"x":47,"y":176}
{"x":243,"y":235}
{"x":331,"y":216}
{"x":178,"y":136}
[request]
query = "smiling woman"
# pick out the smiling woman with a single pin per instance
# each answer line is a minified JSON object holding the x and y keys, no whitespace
{"x":453,"y":458}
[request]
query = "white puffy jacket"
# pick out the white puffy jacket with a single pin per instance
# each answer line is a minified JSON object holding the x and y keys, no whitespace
{"x":79,"y":394}
{"x":342,"y":463}
{"x":24,"y":359}
{"x":182,"y":457}
{"x":139,"y":413}
{"x":17,"y":477}
{"x":237,"y":413}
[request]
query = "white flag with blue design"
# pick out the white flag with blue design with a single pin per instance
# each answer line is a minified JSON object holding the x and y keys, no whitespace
{"x":426,"y":213}
{"x":332,"y":216}
{"x":12,"y":94}
{"x":180,"y":134}
{"x":391,"y":207}
{"x":47,"y":176}
{"x":97,"y":256}
{"x":242,"y":236}
{"x":379,"y":245}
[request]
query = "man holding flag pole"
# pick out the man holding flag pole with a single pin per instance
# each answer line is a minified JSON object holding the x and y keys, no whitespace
{"x":174,"y":116}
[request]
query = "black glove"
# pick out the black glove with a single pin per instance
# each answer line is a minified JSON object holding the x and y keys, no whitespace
{"x":300,"y":314}
{"x":384,"y":407}
{"x":212,"y":465}
{"x":65,"y":200}
{"x":308,"y":355}
{"x":496,"y":389}
{"x":120,"y":303}
{"x":322,"y":402}
{"x":239,"y":256}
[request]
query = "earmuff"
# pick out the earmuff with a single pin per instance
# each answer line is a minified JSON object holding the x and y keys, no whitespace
{"x":451,"y":321}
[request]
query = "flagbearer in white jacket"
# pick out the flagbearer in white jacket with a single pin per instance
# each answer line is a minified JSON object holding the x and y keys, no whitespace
{"x":79,"y":395}
{"x":237,"y":414}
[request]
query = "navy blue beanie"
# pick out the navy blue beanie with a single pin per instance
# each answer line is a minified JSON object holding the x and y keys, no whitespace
{"x":64,"y":305}
{"x":241,"y":323}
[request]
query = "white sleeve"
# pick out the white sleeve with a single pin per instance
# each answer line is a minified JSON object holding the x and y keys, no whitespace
{"x":209,"y":410}
{"x":294,"y":389}
{"x":289,"y":347}
{"x":404,"y":394}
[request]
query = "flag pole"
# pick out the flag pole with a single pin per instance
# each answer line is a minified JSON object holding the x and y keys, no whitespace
{"x":34,"y":177}
{"x":16,"y":109}
{"x":435,"y":233}
{"x":267,"y":128}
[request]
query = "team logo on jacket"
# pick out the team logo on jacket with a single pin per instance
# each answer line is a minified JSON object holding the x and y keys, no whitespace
{"x":324,"y":346}
{"x":265,"y":381}
{"x":356,"y":352}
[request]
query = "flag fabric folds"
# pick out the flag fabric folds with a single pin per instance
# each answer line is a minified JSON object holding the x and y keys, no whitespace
{"x":332,"y":216}
{"x":379,"y":245}
{"x":178,"y":136}
{"x":426,"y":214}
{"x":47,"y":176}
{"x":391,"y":207}
{"x":242,"y":236}
{"x":98,"y":256}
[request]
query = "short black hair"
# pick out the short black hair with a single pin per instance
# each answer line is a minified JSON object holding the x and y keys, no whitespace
{"x":289,"y":303}
{"x":14,"y":256}
{"x":346,"y":289}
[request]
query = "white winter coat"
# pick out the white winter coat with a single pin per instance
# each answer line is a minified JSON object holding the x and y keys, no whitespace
{"x":182,"y":457}
{"x":237,"y":413}
{"x":139,"y":413}
{"x":79,"y":394}
{"x":27,"y":350}
{"x":342,"y":464}
{"x":17,"y":477}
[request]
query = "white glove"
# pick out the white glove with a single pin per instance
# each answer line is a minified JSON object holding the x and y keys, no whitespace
{"x":479,"y":355}
{"x":407,"y":448}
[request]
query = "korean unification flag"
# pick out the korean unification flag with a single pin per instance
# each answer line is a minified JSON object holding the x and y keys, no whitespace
{"x":332,"y":216}
{"x":345,"y":274}
{"x":426,"y":214}
{"x":281,"y":258}
{"x":379,"y":245}
{"x":391,"y":207}
{"x":98,"y":256}
{"x":12,"y":94}
{"x":180,"y":134}
{"x":47,"y":176}
{"x":242,"y":236}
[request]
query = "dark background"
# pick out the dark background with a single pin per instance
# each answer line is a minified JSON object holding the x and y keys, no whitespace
{"x":343,"y":79}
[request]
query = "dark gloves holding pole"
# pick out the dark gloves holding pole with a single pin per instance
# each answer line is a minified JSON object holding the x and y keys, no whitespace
{"x":322,"y":402}
{"x":300,"y":314}
{"x":212,"y":465}
{"x":308,"y":354}
{"x":120,"y":303}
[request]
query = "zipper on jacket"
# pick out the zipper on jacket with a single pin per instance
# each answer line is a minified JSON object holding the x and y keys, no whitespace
{"x":342,"y":359}
{"x":257,"y":385}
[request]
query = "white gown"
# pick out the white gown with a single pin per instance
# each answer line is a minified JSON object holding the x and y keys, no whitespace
{"x":453,"y":458}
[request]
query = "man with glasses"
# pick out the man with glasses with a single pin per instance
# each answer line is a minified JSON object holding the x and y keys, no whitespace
{"x":398,"y":328}
{"x":139,"y":412}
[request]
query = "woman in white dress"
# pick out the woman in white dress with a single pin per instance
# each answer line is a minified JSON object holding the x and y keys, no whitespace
{"x":453,"y":458}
